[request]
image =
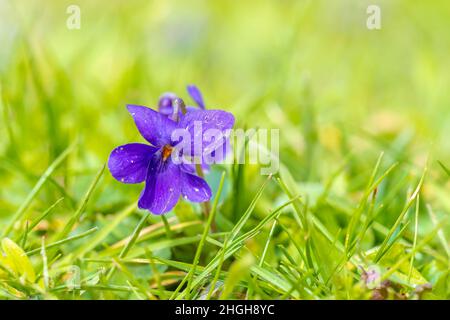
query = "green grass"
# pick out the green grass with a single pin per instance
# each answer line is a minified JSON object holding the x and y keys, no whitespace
{"x":364,"y":179}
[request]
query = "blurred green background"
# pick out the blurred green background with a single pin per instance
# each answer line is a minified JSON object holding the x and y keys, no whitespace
{"x":311,"y":68}
{"x":335,"y":89}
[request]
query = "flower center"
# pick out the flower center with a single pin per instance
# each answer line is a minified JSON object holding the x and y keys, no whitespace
{"x":166,"y":151}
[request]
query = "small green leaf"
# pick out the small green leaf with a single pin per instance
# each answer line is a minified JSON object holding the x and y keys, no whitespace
{"x":16,"y":260}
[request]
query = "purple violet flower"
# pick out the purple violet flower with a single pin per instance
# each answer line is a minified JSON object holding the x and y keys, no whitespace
{"x":166,"y":106}
{"x":165,"y":180}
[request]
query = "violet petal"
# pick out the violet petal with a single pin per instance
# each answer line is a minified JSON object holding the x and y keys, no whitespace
{"x":153,"y":126}
{"x":162,"y":186}
{"x":194,"y":188}
{"x":208,"y":119}
{"x":196,"y":95}
{"x":129,"y":163}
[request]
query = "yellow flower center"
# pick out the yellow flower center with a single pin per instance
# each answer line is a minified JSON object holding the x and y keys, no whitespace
{"x":166,"y":151}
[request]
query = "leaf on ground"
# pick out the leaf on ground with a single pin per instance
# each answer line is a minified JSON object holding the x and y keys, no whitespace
{"x":15,"y":260}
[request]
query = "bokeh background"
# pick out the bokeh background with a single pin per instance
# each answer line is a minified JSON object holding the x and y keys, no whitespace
{"x":311,"y":68}
{"x":335,"y":89}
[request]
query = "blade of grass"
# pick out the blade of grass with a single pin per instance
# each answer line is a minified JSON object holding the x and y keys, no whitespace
{"x":169,"y":232}
{"x":274,"y":280}
{"x":419,"y":246}
{"x":447,"y":171}
{"x":236,"y":229}
{"x":236,"y":245}
{"x":134,"y":235}
{"x":264,"y":253}
{"x":416,"y":229}
{"x":163,"y":244}
{"x":212,"y":286}
{"x":300,"y":215}
{"x":33,"y":224}
{"x":76,"y":216}
{"x":132,"y":279}
{"x":130,"y":244}
{"x":211,"y":216}
{"x":441,"y":234}
{"x":38,"y":186}
{"x":156,"y":275}
{"x":155,"y":230}
{"x":44,"y":214}
{"x":44,"y":265}
{"x":25,"y":234}
{"x":300,"y":251}
{"x":63,"y":241}
{"x":101,"y":235}
{"x":240,"y":224}
{"x":382,"y":249}
{"x":360,"y":209}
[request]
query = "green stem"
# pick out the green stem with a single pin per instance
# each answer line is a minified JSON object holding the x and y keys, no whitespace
{"x":169,"y":232}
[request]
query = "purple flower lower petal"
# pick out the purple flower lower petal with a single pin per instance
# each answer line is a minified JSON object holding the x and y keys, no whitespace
{"x":129,"y":163}
{"x":194,"y":188}
{"x":153,"y":126}
{"x":196,"y":95}
{"x":162,"y":186}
